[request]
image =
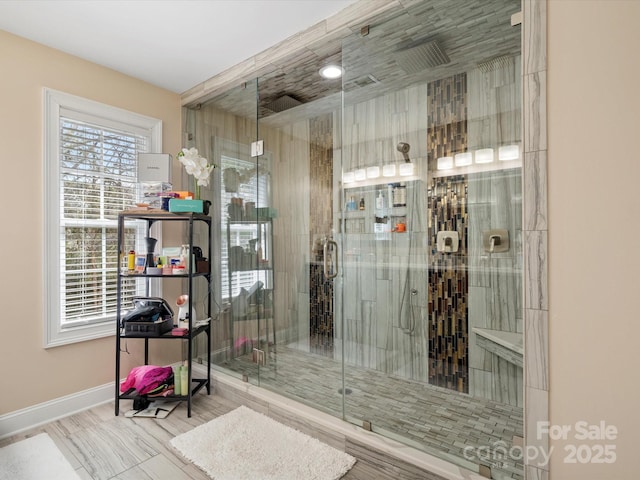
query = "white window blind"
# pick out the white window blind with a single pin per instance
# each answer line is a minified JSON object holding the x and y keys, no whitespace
{"x":98,"y":175}
{"x":255,"y":189}
{"x":89,"y":176}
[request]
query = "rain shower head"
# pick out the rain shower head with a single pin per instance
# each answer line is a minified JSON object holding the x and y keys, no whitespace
{"x":420,"y":57}
{"x":404,"y":148}
{"x":282,"y":103}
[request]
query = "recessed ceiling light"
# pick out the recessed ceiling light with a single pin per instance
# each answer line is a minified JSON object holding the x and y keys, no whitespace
{"x":331,"y":71}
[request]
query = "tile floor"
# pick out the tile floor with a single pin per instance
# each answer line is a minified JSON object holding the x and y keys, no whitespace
{"x":441,"y":422}
{"x":101,"y":446}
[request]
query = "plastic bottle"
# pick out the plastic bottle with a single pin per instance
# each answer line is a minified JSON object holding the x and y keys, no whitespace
{"x":361,"y":207}
{"x":184,"y":381}
{"x":380,"y":200}
{"x":177,"y":380}
{"x":184,"y":257}
{"x":400,"y":195}
{"x":131,"y":260}
{"x":259,"y":252}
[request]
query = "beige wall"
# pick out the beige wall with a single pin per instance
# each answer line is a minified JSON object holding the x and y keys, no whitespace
{"x":594,"y":217}
{"x":26,"y":68}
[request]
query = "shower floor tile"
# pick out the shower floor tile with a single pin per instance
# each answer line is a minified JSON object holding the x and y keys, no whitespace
{"x":444,"y":423}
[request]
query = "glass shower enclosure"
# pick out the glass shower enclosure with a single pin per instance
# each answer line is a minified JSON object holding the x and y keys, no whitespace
{"x":370,"y":230}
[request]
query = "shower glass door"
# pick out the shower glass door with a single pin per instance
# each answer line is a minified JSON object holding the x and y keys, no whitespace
{"x":384,"y":234}
{"x":371,"y":247}
{"x":428,"y":296}
{"x":224,"y":129}
{"x":300,"y":130}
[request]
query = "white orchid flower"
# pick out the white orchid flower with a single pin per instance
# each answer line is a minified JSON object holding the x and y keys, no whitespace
{"x":196,"y":165}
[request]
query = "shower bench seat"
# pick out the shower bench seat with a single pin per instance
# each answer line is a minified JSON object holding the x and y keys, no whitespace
{"x":507,"y":345}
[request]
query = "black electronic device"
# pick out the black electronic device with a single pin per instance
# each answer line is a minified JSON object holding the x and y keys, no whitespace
{"x":148,"y":309}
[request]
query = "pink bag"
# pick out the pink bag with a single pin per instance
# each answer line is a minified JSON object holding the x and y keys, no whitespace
{"x":146,"y":378}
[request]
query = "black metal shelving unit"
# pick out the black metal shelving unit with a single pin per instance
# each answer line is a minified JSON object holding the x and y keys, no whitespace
{"x":151,"y":217}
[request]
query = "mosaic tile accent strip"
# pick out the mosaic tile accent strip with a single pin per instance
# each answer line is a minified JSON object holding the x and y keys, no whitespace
{"x":447,"y":118}
{"x":448,"y":287}
{"x":321,"y":319}
{"x":447,"y":199}
{"x":321,"y":310}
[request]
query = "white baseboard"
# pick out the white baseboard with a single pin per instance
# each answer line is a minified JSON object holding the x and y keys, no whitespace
{"x":30,"y":417}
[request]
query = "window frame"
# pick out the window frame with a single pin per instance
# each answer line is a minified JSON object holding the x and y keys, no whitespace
{"x":55,"y":102}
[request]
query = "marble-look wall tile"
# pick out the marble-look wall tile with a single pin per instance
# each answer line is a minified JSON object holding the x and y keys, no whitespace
{"x":480,"y":383}
{"x":534,"y":35}
{"x":494,"y":112}
{"x":535,"y":190}
{"x":507,"y":382}
{"x":533,"y":473}
{"x":402,"y":358}
{"x":384,"y":314}
{"x":504,"y":296}
{"x":537,"y":409}
{"x":495,"y":201}
{"x":536,"y":349}
{"x":535,"y":99}
{"x":420,"y":345}
{"x":477,"y":304}
{"x":535,"y":270}
{"x":479,"y":214}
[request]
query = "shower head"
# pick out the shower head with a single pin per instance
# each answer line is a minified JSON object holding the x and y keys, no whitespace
{"x":404,"y":148}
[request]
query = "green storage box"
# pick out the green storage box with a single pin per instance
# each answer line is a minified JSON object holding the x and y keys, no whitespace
{"x":178,"y":205}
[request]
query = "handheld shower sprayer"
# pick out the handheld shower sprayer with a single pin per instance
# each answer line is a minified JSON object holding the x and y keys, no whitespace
{"x":404,"y":148}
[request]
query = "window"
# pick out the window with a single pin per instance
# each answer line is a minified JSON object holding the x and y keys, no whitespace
{"x":252,"y":188}
{"x":90,"y":174}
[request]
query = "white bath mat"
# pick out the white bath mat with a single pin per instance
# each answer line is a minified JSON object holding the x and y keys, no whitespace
{"x":246,"y":445}
{"x":35,"y":458}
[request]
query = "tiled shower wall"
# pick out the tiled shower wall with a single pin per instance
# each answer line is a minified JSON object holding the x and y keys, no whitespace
{"x":385,"y":326}
{"x":470,"y":288}
{"x":495,"y":202}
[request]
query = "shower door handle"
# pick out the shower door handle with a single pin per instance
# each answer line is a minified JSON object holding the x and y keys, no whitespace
{"x":328,"y":272}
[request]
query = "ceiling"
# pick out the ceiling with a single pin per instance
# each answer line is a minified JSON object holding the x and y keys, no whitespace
{"x":407,"y":44}
{"x":172,"y":44}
